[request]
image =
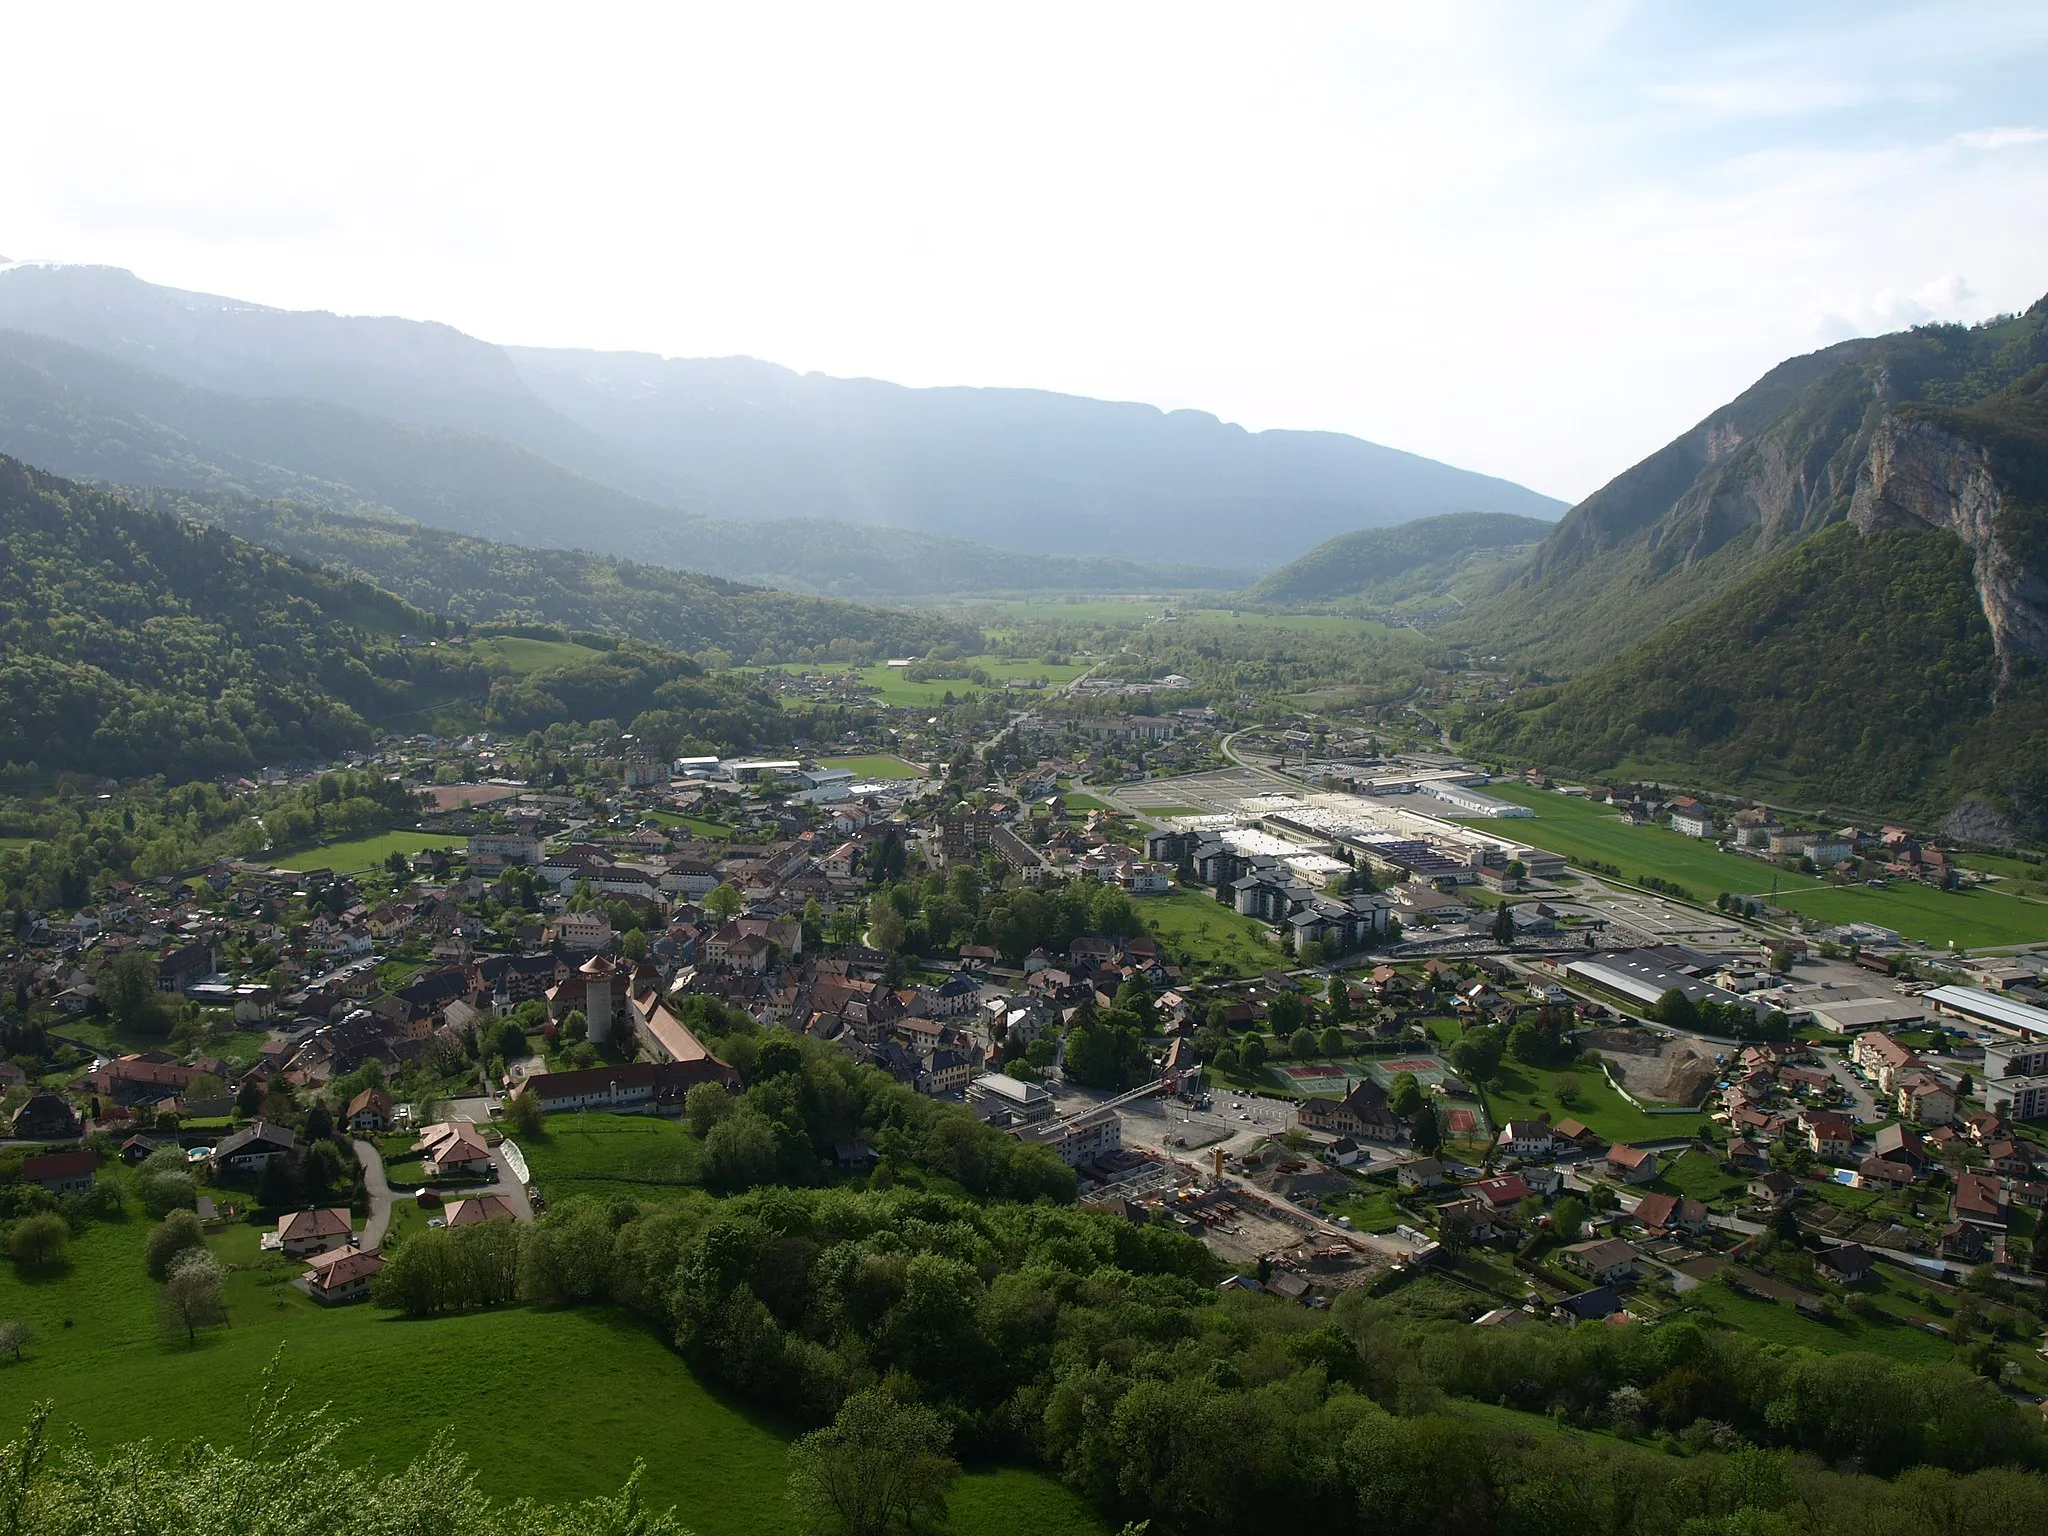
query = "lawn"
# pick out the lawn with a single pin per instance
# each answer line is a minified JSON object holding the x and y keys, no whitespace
{"x":879,"y":765}
{"x":364,"y":852}
{"x":1372,"y":1209}
{"x":642,"y":1157}
{"x":23,"y":843}
{"x":1699,"y":1175}
{"x":1521,"y":1092}
{"x":1580,"y":830}
{"x":1779,"y":1322}
{"x":696,"y":826}
{"x":552,"y":1404}
{"x":1077,"y":801}
{"x":514,"y":654}
{"x":1208,"y":933}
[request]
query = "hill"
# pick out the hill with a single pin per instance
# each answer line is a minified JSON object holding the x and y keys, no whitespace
{"x":1419,"y":562}
{"x":482,"y":581}
{"x":1896,"y":661}
{"x":735,"y":439}
{"x":1714,"y":506}
{"x":89,"y":416}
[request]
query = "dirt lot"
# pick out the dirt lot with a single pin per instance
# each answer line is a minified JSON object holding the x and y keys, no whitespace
{"x":1659,"y":1067}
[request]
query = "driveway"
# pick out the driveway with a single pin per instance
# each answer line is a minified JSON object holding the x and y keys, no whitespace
{"x":378,"y":1188}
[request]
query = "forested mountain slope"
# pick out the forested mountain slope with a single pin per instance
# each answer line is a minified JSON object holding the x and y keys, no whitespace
{"x":1897,"y":660}
{"x":1765,"y":471}
{"x":738,"y":439}
{"x":88,"y":416}
{"x":1411,"y":562}
{"x":483,"y":581}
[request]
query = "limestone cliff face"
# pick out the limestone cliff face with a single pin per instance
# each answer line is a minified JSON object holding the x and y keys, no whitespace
{"x":1919,"y":474}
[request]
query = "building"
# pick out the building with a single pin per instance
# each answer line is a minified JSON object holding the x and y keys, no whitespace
{"x":1827,"y":1133}
{"x":369,"y":1110}
{"x":1526,"y":1138}
{"x":1924,"y":1097}
{"x":314,"y":1231}
{"x":1660,"y":1214}
{"x":1879,"y":1057}
{"x":1362,"y":1112}
{"x":1773,"y":1189}
{"x":342,"y":1275}
{"x":495,"y":850}
{"x":255,"y":1148}
{"x":2005,"y":1013}
{"x":478,"y":1209}
{"x":1631,"y":1165}
{"x":1692,"y":821}
{"x":1604,"y":1261}
{"x":47,"y":1116}
{"x":1980,"y":1199}
{"x":454,"y":1148}
{"x":997,"y":1093}
{"x":632,"y":1087}
{"x":61,"y":1173}
{"x":1080,"y":1140}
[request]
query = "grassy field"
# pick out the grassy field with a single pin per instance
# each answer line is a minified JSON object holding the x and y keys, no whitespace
{"x":1779,"y":1322}
{"x":1523,"y":1092}
{"x":1581,"y":830}
{"x":1699,"y":1176}
{"x":517,"y":655}
{"x":1209,"y":933}
{"x":1970,"y":918}
{"x":555,"y":1405}
{"x":364,"y":852}
{"x":639,"y":1156}
{"x":18,"y":842}
{"x":879,"y":765}
{"x":893,"y":687}
{"x":696,"y":826}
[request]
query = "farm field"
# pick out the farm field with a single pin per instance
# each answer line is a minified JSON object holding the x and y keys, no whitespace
{"x":609,"y":1390}
{"x":1580,"y":830}
{"x":518,"y":655}
{"x":878,"y":765}
{"x":893,"y":687}
{"x":1208,"y":932}
{"x":364,"y":852}
{"x":1972,"y":919}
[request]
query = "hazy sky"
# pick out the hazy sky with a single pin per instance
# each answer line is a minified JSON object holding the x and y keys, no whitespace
{"x":1537,"y":240}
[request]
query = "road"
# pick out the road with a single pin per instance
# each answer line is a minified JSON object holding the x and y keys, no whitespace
{"x":1860,"y":1096}
{"x":378,"y":1190}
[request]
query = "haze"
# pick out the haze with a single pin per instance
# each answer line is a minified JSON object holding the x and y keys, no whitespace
{"x":1531,"y":242}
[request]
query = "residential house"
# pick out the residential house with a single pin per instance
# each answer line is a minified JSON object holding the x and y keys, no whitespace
{"x":255,"y":1148}
{"x":1593,"y":1306}
{"x":313,"y":1231}
{"x":1503,"y":1193}
{"x":478,"y":1209}
{"x":1631,"y":1165}
{"x":1526,"y":1138}
{"x":61,"y":1173}
{"x":369,"y":1110}
{"x":46,"y":1116}
{"x":1662,"y":1214}
{"x":1604,"y":1260}
{"x":1827,"y":1133}
{"x":1421,"y":1173}
{"x":1850,"y":1264}
{"x":1980,"y":1198}
{"x":342,"y":1275}
{"x":454,"y":1148}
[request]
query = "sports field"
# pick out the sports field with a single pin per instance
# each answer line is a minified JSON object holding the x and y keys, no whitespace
{"x":1971,"y":919}
{"x":364,"y":852}
{"x":879,"y":765}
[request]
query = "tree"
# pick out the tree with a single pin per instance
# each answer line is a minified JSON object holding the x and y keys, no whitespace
{"x":191,"y":1295}
{"x":129,"y":992}
{"x":1286,"y":1013}
{"x":1330,"y":1041}
{"x":1252,"y":1053}
{"x":39,"y":1241}
{"x":248,"y":1098}
{"x":880,"y":1467}
{"x":1477,"y":1054}
{"x":1503,"y":924}
{"x":705,"y":1105}
{"x":1568,"y":1218}
{"x":1424,"y":1132}
{"x":178,"y":1233}
{"x":15,"y":1336}
{"x":1404,"y":1095}
{"x":723,"y":902}
{"x":633,"y":945}
{"x":1339,"y":1009}
{"x":319,"y":1122}
{"x":525,"y":1115}
{"x":740,"y":1151}
{"x":1454,"y":1230}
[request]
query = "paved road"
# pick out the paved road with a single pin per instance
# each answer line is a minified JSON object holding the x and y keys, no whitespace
{"x":1866,"y":1106}
{"x":379,"y":1190}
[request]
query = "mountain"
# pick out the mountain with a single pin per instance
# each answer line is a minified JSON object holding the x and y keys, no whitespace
{"x":1770,"y":468}
{"x":1895,"y":661}
{"x":134,"y":644}
{"x":738,"y":439}
{"x":1413,"y":563}
{"x":480,"y":581}
{"x":90,"y":416}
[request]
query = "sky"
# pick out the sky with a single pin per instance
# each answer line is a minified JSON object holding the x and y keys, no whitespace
{"x":1533,"y":240}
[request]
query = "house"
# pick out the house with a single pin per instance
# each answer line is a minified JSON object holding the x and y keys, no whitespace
{"x":1661,"y":1214}
{"x":254,"y":1148}
{"x":1884,"y":1172}
{"x":1363,"y":1112}
{"x":1525,"y":1138}
{"x":1604,"y":1260}
{"x":1901,"y":1144}
{"x":454,"y":1148}
{"x":1744,"y":1153}
{"x":1848,"y":1265}
{"x":1420,"y":1173}
{"x":1593,"y":1306}
{"x":1692,"y":821}
{"x":1924,"y":1097}
{"x":342,"y":1274}
{"x":1631,"y":1165}
{"x":1828,"y":1133}
{"x":47,"y":1116}
{"x":369,"y":1110}
{"x":61,"y":1173}
{"x":313,"y":1231}
{"x":478,"y":1209}
{"x":1980,"y":1198}
{"x":1503,"y":1194}
{"x":1964,"y":1240}
{"x":1574,"y":1133}
{"x":1477,"y":1216}
{"x":1773,"y":1189}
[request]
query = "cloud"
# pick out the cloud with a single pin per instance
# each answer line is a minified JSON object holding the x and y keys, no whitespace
{"x":2001,"y":138}
{"x":1943,"y":298}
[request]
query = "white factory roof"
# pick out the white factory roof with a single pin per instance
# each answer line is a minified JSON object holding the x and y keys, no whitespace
{"x":1990,"y":1008}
